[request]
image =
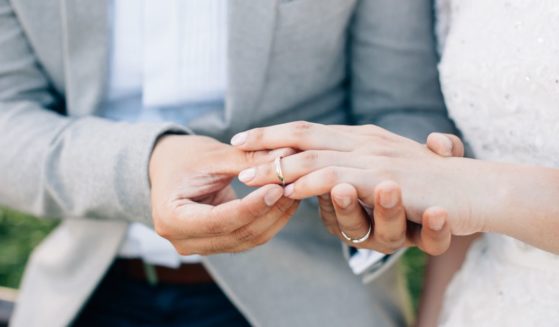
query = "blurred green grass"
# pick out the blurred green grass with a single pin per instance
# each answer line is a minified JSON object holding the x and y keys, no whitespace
{"x":20,"y":233}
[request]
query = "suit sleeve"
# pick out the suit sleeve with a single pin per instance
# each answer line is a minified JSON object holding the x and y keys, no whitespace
{"x":52,"y":165}
{"x":394,"y":78}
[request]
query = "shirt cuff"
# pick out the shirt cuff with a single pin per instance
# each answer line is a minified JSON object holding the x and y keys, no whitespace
{"x":368,"y":263}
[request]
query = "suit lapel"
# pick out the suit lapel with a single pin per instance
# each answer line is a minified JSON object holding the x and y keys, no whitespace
{"x":86,"y":43}
{"x":251,"y":28}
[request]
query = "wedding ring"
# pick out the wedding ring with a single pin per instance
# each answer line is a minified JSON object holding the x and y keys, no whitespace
{"x":279,"y":171}
{"x":358,"y":240}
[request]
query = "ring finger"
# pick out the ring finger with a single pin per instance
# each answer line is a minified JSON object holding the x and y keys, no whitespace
{"x":354,"y":223}
{"x":295,"y":166}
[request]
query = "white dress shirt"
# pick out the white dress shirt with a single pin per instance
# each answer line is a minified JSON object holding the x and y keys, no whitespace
{"x":168,"y":63}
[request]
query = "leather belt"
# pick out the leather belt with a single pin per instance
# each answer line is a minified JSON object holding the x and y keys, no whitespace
{"x":136,"y":269}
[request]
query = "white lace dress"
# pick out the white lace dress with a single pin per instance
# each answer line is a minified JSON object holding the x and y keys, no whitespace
{"x":500,"y":77}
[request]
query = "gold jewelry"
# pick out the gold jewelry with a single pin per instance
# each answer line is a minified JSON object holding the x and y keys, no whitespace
{"x":279,"y":171}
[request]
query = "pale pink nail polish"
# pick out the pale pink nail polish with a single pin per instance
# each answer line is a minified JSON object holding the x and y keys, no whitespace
{"x":289,"y":189}
{"x":247,"y":175}
{"x":239,"y":139}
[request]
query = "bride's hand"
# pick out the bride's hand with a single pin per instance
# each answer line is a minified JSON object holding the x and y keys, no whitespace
{"x":365,"y":156}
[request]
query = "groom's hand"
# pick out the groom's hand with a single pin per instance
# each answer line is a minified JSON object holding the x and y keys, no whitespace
{"x":196,"y":209}
{"x":342,"y":210}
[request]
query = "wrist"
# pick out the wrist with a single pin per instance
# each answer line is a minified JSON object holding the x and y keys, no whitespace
{"x":526,"y":192}
{"x":492,"y":196}
{"x":480,"y":195}
{"x":158,"y":151}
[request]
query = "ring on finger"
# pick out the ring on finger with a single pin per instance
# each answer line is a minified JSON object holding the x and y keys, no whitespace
{"x":279,"y":171}
{"x":358,"y":240}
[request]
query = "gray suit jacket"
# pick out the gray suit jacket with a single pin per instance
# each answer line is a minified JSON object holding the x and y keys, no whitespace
{"x":330,"y":61}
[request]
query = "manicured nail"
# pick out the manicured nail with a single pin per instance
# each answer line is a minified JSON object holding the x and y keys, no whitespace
{"x":247,"y":175}
{"x":272,"y":196}
{"x":239,"y":139}
{"x":343,"y":201}
{"x":388,"y":199}
{"x":436,"y":222}
{"x":288,"y":190}
{"x":447,"y":143}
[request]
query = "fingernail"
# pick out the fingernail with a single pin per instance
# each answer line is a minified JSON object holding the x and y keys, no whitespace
{"x":388,"y":199}
{"x":343,"y":201}
{"x":436,"y":222}
{"x":447,"y":145}
{"x":272,"y":196}
{"x":239,"y":139}
{"x":288,"y":190}
{"x":247,"y":175}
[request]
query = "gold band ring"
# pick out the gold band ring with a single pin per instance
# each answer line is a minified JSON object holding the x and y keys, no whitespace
{"x":279,"y":171}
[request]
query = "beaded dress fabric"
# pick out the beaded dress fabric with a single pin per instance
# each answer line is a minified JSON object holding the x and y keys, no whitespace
{"x":500,"y":77}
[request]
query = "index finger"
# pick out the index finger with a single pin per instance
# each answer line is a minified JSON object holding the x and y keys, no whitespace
{"x":298,"y":135}
{"x":202,"y":220}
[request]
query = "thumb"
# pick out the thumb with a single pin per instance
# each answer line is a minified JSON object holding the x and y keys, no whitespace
{"x":445,"y":145}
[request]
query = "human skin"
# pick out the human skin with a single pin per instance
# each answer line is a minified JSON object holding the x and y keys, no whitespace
{"x":479,"y":196}
{"x":195,"y":208}
{"x":342,"y":210}
{"x":194,"y":205}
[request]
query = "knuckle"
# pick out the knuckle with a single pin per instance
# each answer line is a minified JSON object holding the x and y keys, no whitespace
{"x":213,"y":247}
{"x":245,"y":234}
{"x":327,"y":209}
{"x":374,"y":131}
{"x":393,"y":241}
{"x":254,"y":213}
{"x":309,"y":159}
{"x":326,"y":206}
{"x":256,"y":135}
{"x":266,"y":170}
{"x":354,"y":227}
{"x":301,"y":127}
{"x":370,"y":128}
{"x":250,"y":156}
{"x":284,"y":205}
{"x":161,"y":227}
{"x":214,"y":227}
{"x":261,"y":241}
{"x":330,"y":176}
{"x":183,"y":249}
{"x":380,"y":152}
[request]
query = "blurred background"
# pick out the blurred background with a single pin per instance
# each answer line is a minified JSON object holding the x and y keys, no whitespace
{"x":20,"y":233}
